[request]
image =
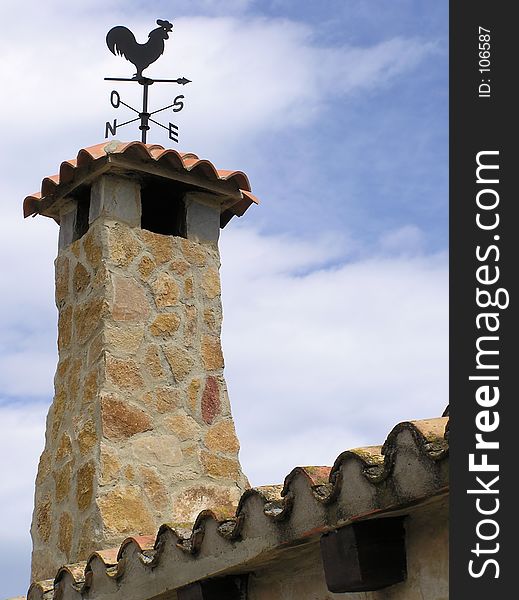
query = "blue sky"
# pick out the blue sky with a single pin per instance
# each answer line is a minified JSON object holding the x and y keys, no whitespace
{"x":334,"y":288}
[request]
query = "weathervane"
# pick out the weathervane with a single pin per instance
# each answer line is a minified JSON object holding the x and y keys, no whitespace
{"x":120,"y":40}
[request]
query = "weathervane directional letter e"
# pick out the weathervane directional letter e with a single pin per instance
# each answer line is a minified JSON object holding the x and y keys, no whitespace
{"x":173,"y":132}
{"x":110,"y":128}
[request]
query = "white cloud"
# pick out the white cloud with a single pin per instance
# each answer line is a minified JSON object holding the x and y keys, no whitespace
{"x":407,"y":239}
{"x":322,"y":359}
{"x":20,"y":445}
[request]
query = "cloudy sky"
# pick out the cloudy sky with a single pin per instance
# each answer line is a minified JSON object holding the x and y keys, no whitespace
{"x":334,"y":288}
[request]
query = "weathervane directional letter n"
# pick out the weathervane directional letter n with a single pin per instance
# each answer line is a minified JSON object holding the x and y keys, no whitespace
{"x":110,"y":128}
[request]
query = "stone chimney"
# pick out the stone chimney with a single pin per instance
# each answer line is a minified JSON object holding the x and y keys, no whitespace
{"x":140,"y":430}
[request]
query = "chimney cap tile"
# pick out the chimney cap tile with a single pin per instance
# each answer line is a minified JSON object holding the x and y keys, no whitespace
{"x":234,"y":185}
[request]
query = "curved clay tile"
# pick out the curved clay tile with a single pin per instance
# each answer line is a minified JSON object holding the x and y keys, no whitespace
{"x":204,"y":167}
{"x":239,"y":177}
{"x":49,"y":185}
{"x":142,"y":543}
{"x":171,"y":158}
{"x":177,"y":161}
{"x":66,"y":171}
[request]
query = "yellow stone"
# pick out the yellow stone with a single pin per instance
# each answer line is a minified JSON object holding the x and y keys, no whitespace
{"x":146,"y":267}
{"x":165,"y":325}
{"x":123,"y":246}
{"x":101,"y":278}
{"x":220,"y":467}
{"x":129,"y":473}
{"x":130,"y":302}
{"x":124,"y":513}
{"x":74,"y":382}
{"x":191,"y":450}
{"x":183,"y":426}
{"x":95,"y":348}
{"x":164,"y":399}
{"x":65,"y":448}
{"x":210,"y":320}
{"x":193,"y":253}
{"x":62,"y":279}
{"x":87,"y":540}
{"x":58,"y":409}
{"x":193,"y":393}
{"x":44,"y":518}
{"x":120,"y":420}
{"x":211,"y":283}
{"x":190,"y":326}
{"x":125,"y":339}
{"x":166,"y":291}
{"x":124,"y":373}
{"x":154,"y":488}
{"x":221,"y":437}
{"x":153,"y":449}
{"x":64,"y":328}
{"x":212,"y":353}
{"x":85,"y":485}
{"x":87,"y":437}
{"x":66,"y":527}
{"x":189,"y":288}
{"x":62,"y":368}
{"x":42,"y":565}
{"x":152,"y":363}
{"x":180,"y":362}
{"x":92,"y":248}
{"x":110,"y":466}
{"x":81,"y":279}
{"x":62,"y":481}
{"x":180,"y":267}
{"x":188,"y":503}
{"x":88,"y":318}
{"x":90,"y":388}
{"x":43,"y":467}
{"x":75,"y":248}
{"x":159,"y":246}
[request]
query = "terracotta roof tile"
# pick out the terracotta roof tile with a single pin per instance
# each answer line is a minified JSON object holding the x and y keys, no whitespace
{"x":177,"y":165}
{"x":409,"y":469}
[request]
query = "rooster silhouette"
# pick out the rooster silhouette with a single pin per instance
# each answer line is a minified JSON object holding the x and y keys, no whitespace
{"x":120,"y":40}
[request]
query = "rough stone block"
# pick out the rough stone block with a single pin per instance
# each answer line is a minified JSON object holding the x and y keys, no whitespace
{"x":120,"y":420}
{"x":130,"y":303}
{"x":117,"y":198}
{"x":202,"y":217}
{"x":124,"y":512}
{"x":67,"y":224}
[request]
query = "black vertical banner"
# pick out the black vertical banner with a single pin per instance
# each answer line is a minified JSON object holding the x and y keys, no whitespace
{"x":484,"y":251}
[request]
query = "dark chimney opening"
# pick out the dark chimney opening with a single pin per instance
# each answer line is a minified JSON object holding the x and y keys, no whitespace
{"x":163,"y":208}
{"x":82,"y":197}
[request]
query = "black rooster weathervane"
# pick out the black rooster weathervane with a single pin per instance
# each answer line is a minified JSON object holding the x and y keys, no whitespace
{"x":120,"y":40}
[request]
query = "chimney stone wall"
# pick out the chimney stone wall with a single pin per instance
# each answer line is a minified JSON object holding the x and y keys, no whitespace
{"x":140,"y":430}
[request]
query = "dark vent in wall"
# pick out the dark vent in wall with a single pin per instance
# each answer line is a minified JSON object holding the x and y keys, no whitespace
{"x":163,"y":208}
{"x":83,"y":208}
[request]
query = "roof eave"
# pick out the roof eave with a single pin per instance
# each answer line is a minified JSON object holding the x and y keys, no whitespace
{"x":226,"y":192}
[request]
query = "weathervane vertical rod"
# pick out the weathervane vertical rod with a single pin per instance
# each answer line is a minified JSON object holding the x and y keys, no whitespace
{"x":144,"y":114}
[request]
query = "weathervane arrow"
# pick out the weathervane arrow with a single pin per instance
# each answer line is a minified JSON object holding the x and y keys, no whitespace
{"x":120,"y":40}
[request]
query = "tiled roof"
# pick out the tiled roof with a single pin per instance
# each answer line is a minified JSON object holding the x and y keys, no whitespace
{"x":409,"y":469}
{"x":151,"y":158}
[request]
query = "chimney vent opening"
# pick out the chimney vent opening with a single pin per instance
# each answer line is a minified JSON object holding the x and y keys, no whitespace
{"x":163,"y":208}
{"x":82,"y":197}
